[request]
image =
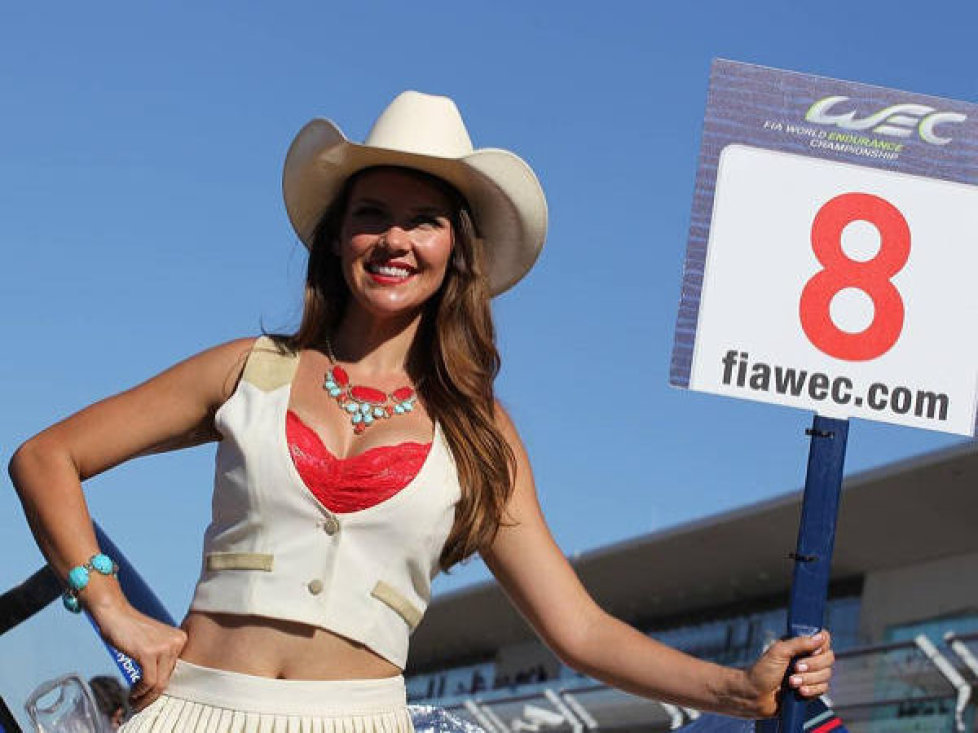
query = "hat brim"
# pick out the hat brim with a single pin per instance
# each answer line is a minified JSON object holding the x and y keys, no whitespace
{"x":506,"y":199}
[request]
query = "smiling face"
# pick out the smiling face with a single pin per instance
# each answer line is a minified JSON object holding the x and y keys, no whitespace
{"x":395,"y":241}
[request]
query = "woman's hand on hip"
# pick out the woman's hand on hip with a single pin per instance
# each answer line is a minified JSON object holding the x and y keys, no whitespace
{"x":810,"y":672}
{"x":153,"y":645}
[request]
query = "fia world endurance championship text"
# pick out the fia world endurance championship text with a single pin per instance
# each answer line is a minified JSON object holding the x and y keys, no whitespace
{"x":740,"y":371}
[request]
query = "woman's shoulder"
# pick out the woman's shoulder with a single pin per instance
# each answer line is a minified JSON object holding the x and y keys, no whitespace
{"x":503,"y":421}
{"x":235,"y":348}
{"x":217,"y":369}
{"x":267,"y":362}
{"x":227,"y":356}
{"x":506,"y":426}
{"x":234,"y":354}
{"x":228,"y":361}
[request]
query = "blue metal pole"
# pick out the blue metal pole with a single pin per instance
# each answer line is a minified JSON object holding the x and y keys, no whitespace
{"x":813,"y":555}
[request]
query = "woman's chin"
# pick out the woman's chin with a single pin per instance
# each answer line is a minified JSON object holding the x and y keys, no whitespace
{"x":394,"y":300}
{"x":390,"y":306}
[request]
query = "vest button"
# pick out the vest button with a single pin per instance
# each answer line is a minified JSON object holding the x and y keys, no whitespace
{"x":315,"y":586}
{"x":331,"y":525}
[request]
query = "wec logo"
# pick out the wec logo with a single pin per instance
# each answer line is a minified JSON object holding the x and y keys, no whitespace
{"x":898,"y":120}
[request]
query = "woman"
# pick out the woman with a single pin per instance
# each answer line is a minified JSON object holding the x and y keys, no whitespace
{"x":356,"y":458}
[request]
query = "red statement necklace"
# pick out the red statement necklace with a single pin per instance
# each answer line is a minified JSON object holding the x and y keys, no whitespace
{"x":364,"y":405}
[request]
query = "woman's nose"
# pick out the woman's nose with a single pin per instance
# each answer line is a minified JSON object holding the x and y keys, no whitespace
{"x":396,"y":237}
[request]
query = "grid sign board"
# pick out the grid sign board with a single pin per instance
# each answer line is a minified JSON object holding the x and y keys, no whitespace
{"x":833,"y":250}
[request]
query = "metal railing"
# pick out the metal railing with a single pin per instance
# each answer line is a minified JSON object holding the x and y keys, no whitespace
{"x":911,"y":685}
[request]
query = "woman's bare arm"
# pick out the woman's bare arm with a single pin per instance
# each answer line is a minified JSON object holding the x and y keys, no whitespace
{"x":172,"y":410}
{"x":538,"y":578}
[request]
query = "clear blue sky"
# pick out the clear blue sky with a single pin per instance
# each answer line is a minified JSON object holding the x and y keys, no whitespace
{"x":141,"y":221}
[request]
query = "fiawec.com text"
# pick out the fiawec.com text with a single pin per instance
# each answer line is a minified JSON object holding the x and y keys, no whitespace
{"x":740,"y":371}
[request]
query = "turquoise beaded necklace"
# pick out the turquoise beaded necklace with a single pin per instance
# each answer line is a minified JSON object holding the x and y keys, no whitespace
{"x":364,"y":405}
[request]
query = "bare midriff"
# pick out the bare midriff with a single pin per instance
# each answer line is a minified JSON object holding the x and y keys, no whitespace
{"x":278,"y":649}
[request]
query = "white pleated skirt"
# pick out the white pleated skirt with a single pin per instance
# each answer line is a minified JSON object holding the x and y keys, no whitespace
{"x":203,"y":700}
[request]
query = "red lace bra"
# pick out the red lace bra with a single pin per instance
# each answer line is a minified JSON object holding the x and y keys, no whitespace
{"x":351,"y":484}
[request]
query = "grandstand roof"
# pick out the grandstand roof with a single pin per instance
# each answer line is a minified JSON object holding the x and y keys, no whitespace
{"x":912,"y":511}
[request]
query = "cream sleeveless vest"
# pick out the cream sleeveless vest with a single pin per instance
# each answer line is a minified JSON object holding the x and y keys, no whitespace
{"x":273,"y":550}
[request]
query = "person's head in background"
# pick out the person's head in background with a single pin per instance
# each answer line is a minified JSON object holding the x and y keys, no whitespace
{"x":112,"y":699}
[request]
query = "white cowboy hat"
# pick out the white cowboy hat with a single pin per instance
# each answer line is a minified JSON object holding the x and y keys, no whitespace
{"x":426,"y":133}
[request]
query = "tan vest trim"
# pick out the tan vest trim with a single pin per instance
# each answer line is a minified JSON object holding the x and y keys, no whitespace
{"x":269,"y":367}
{"x":240,"y":561}
{"x":405,"y":609}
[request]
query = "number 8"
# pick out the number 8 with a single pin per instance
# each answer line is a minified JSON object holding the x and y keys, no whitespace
{"x":872,"y":277}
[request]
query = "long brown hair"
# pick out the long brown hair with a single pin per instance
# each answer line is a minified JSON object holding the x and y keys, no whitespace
{"x":454,"y":362}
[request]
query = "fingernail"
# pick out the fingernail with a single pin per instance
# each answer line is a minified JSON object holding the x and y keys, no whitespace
{"x":796,"y":680}
{"x":819,"y":636}
{"x":801,"y":667}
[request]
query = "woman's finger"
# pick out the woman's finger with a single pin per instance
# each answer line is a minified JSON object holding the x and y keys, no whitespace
{"x":821,"y":661}
{"x":165,"y":656}
{"x":146,"y":682}
{"x":826,"y":645}
{"x":799,"y":646}
{"x":167,"y":664}
{"x":154,"y":690}
{"x":811,"y":678}
{"x":813,"y":690}
{"x":817,"y":678}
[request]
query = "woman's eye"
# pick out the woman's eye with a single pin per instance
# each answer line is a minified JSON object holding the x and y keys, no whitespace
{"x":371,"y":213}
{"x":428,"y":221}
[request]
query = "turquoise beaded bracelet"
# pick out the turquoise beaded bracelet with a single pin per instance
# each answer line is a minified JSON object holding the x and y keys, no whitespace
{"x":78,"y":578}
